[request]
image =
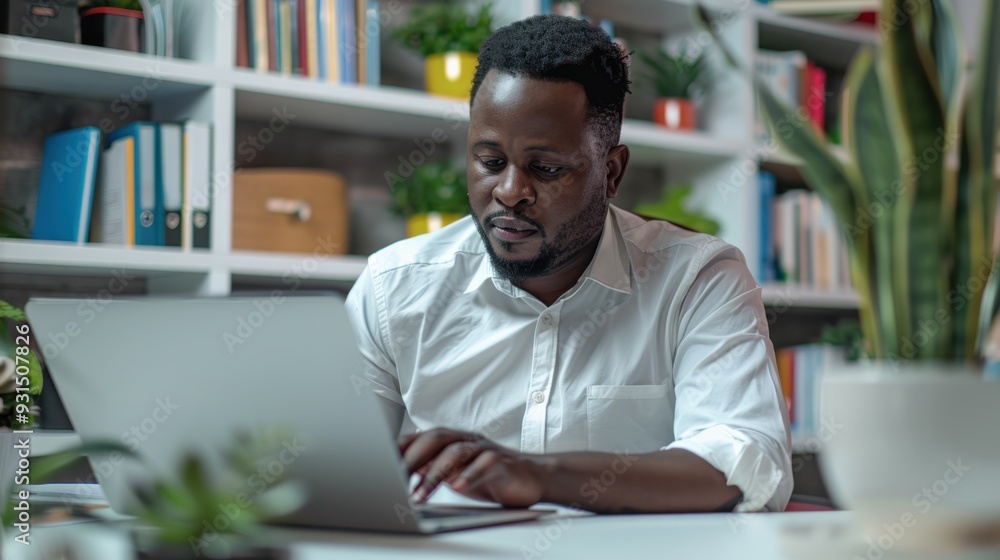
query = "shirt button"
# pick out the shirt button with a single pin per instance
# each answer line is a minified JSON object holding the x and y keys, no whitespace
{"x":538,"y":397}
{"x":547,"y":319}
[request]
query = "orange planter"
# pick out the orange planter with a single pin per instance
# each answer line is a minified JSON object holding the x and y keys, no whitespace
{"x":674,"y":113}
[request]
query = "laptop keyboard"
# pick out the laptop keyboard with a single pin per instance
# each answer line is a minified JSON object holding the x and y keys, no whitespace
{"x":439,"y":512}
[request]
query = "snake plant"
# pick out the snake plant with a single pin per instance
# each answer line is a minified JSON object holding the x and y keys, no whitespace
{"x":916,"y":194}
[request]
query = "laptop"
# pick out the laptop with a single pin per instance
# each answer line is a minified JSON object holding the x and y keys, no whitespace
{"x":170,"y":376}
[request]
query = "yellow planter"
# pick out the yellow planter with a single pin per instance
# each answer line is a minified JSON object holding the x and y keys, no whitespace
{"x":450,"y":74}
{"x":431,"y":221}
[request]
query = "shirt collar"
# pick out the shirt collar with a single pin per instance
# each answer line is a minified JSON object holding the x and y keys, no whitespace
{"x":610,"y":267}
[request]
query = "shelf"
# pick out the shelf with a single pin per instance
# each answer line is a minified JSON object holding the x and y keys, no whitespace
{"x":829,"y":44}
{"x":26,"y":256}
{"x":384,"y":111}
{"x":791,"y":295}
{"x":68,"y":259}
{"x":96,"y":73}
{"x":661,"y":17}
{"x":805,"y":444}
{"x":650,"y":143}
{"x":786,"y":167}
{"x":293,"y":270}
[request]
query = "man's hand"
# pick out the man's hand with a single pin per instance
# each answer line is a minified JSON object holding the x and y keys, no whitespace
{"x":474,"y":466}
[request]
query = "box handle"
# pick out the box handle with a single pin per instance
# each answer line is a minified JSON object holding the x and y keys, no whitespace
{"x":299,"y":209}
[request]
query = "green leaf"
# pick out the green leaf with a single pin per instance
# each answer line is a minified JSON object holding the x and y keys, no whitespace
{"x":441,"y":27}
{"x":869,"y":142}
{"x":979,"y":182}
{"x":673,"y":76}
{"x":915,"y":112}
{"x":42,"y":468}
{"x":8,"y":311}
{"x":840,"y":187}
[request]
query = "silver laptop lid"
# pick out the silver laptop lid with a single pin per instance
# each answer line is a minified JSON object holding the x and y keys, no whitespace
{"x":169,"y":376}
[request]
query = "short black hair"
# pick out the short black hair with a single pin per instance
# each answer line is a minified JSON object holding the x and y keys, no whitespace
{"x":561,"y":48}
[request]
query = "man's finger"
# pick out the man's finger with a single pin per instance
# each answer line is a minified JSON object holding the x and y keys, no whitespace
{"x":476,"y":473}
{"x":445,"y":467}
{"x":427,"y":445}
{"x":405,"y":441}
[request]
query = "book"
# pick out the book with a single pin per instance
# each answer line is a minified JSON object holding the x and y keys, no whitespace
{"x":333,"y":44}
{"x":260,"y":33}
{"x":302,"y":36}
{"x":148,"y":181}
{"x":312,"y":37}
{"x":348,"y":42}
{"x":113,"y":218}
{"x":373,"y":38}
{"x":322,"y":38}
{"x":767,"y":187}
{"x":196,"y":215}
{"x":285,"y":37}
{"x":273,"y":51}
{"x":816,"y":101}
{"x":66,"y":187}
{"x":294,"y":40}
{"x":251,"y":32}
{"x":242,"y":46}
{"x":171,"y":146}
{"x":361,"y":39}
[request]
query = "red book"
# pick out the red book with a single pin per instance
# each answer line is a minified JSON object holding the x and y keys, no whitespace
{"x":272,"y":35}
{"x":242,"y":52}
{"x":303,"y":45}
{"x":786,"y":374}
{"x":816,"y":103}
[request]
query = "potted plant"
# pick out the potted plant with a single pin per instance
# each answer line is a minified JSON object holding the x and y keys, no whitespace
{"x":431,"y":197}
{"x":448,"y":37}
{"x":913,"y":429}
{"x":676,"y":80}
{"x":672,"y":207}
{"x":20,"y":385}
{"x":192,"y":514}
{"x":19,"y":368}
{"x":116,"y":24}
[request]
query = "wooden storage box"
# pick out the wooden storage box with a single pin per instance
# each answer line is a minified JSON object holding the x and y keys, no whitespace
{"x":290,"y":210}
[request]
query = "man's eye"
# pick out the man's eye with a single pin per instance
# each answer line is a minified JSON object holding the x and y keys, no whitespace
{"x":492,"y":163}
{"x":548,"y":169}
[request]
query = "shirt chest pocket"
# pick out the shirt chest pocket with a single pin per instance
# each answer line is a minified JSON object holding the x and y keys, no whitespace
{"x":628,"y":418}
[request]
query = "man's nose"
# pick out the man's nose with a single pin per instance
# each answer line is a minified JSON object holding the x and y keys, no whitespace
{"x":514,"y":188}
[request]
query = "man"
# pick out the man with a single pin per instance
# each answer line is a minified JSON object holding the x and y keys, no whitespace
{"x":553,"y":348}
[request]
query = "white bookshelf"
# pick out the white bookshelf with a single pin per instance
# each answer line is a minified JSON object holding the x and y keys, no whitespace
{"x":830,"y":43}
{"x":207,"y":86}
{"x":791,"y":295}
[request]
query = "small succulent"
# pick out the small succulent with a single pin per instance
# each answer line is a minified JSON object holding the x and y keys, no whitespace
{"x":445,"y":27}
{"x":431,"y":187}
{"x":123,"y":4}
{"x":674,"y":76}
{"x":219,"y":517}
{"x":18,"y":369}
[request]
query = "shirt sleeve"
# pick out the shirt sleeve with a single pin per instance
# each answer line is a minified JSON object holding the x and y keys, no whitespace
{"x":729,"y":409}
{"x":367,"y":313}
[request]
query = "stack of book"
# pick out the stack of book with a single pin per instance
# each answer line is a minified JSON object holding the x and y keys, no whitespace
{"x":330,"y":40}
{"x":799,"y":370}
{"x":806,"y":243}
{"x":796,"y":81}
{"x":143,"y":184}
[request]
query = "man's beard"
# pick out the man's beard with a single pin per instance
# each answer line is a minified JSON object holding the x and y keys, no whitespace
{"x":572,"y":239}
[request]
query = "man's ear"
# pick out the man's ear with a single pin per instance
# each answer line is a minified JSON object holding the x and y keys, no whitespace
{"x":617,"y":161}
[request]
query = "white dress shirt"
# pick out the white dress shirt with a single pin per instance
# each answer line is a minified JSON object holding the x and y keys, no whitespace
{"x":662,"y":344}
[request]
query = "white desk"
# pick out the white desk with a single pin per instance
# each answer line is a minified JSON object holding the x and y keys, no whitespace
{"x":764,"y":536}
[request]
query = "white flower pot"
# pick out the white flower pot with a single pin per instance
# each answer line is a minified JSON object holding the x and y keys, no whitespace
{"x":916,"y":452}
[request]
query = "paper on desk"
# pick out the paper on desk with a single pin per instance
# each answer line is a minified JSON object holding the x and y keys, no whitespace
{"x":65,"y":493}
{"x":445,"y":496}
